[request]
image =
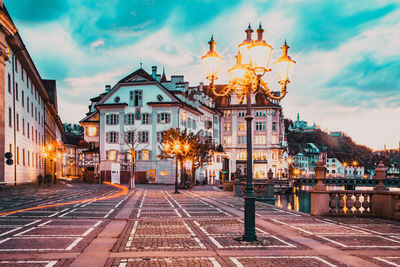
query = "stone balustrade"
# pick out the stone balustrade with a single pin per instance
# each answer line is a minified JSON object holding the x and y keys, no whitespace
{"x":349,"y":203}
{"x":380,"y":202}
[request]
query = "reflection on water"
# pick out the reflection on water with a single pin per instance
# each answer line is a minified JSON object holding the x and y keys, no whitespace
{"x":298,"y":199}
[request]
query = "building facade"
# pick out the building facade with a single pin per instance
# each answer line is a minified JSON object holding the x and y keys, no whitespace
{"x":268,"y":133}
{"x":132,"y":116}
{"x":28,"y":119}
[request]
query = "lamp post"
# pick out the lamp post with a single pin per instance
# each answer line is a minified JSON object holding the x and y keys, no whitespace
{"x":53,"y":152}
{"x":246,"y":79}
{"x":178,"y":149}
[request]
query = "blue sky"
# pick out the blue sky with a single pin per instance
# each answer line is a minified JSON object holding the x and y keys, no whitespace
{"x":347,"y":75}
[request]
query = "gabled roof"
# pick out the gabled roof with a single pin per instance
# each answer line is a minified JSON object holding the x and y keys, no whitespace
{"x":138,"y":76}
{"x":89,"y":118}
{"x":140,"y":73}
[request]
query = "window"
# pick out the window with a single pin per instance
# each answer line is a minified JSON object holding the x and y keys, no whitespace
{"x":274,"y":126}
{"x":16,"y":65}
{"x":112,"y":119}
{"x":112,"y":137}
{"x":260,"y":155}
{"x":227,"y":113}
{"x":29,"y":158}
{"x":274,"y":156}
{"x":9,"y":83}
{"x":228,"y":139}
{"x":145,"y":155}
{"x":35,"y":113}
{"x":242,"y":114}
{"x":32,"y":109}
{"x":242,"y":155}
{"x":160,"y":136}
{"x":274,"y":139}
{"x":16,"y":91}
{"x":241,"y":139}
{"x":130,"y":119}
{"x":91,"y":131}
{"x":17,"y":122}
{"x":137,"y":98}
{"x":274,"y":113}
{"x":261,"y":139}
{"x":112,"y":154}
{"x":227,"y":126}
{"x":32,"y":134}
{"x":241,"y":126}
{"x":10,"y":117}
{"x":23,"y":126}
{"x":28,"y":130}
{"x":260,"y":113}
{"x":27,"y":104}
{"x":23,"y":156}
{"x":260,"y":126}
{"x":36,"y":136}
{"x":22,"y":76}
{"x":18,"y":155}
{"x":130,"y":137}
{"x":144,"y":137}
{"x":163,"y":118}
{"x":145,"y":118}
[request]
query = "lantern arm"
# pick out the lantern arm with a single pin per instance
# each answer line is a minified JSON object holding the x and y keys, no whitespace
{"x":263,"y":86}
{"x":224,"y":92}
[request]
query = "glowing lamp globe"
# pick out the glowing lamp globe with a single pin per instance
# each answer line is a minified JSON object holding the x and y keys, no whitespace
{"x":212,"y":60}
{"x":237,"y":72}
{"x":284,"y":64}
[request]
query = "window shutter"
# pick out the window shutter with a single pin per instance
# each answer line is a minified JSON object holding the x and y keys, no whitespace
{"x":107,"y":119}
{"x":116,"y":138}
{"x":107,"y":155}
{"x":117,"y":118}
{"x":107,"y":139}
{"x":116,"y":155}
{"x":158,"y":118}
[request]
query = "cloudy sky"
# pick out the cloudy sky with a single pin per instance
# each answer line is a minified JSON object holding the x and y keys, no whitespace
{"x":347,"y":75}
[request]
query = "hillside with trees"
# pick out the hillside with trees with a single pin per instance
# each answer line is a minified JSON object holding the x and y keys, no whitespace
{"x":342,"y":147}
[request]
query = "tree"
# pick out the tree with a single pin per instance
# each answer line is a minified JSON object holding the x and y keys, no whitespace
{"x":184,"y":146}
{"x":132,"y":141}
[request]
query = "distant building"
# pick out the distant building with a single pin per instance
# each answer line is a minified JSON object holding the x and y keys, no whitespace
{"x":306,"y":156}
{"x":336,"y":134}
{"x":70,"y":157}
{"x":301,"y":126}
{"x":335,"y":168}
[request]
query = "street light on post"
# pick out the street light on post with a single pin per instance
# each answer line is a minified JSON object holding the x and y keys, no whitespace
{"x":246,"y":79}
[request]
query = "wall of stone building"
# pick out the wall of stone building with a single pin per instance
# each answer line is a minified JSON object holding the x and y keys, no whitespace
{"x":2,"y":107}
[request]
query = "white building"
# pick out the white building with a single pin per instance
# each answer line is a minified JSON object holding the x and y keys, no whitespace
{"x":28,"y":108}
{"x":335,"y":168}
{"x":147,"y":105}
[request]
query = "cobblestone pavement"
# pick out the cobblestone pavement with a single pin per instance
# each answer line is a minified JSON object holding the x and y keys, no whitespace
{"x":201,"y":227}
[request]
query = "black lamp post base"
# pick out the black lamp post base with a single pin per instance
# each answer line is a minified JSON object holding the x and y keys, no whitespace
{"x":249,"y":219}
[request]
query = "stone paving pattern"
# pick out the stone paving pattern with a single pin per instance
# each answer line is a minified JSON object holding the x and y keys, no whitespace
{"x":151,"y":226}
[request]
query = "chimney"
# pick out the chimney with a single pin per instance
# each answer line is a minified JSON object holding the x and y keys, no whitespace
{"x":108,"y":88}
{"x":154,"y":72}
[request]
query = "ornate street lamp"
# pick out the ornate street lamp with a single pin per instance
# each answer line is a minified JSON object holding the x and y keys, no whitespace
{"x":246,"y":79}
{"x":178,"y":148}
